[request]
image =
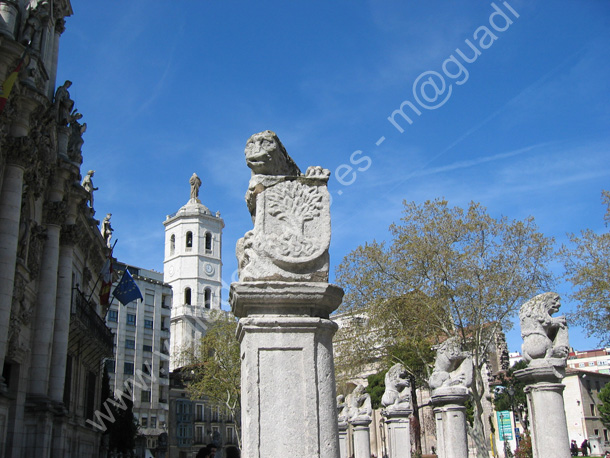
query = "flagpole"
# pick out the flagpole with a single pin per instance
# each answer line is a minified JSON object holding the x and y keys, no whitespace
{"x":99,"y":275}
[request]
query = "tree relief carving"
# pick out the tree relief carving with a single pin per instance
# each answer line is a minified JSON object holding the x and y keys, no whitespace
{"x":291,"y":205}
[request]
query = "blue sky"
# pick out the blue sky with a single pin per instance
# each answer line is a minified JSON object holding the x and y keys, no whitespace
{"x":169,"y":88}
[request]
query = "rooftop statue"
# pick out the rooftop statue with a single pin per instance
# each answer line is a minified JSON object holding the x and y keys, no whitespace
{"x":88,"y":185}
{"x":545,"y":338}
{"x":107,"y":230}
{"x":195,"y":183}
{"x":452,"y":367}
{"x":397,"y":395}
{"x":291,"y":216}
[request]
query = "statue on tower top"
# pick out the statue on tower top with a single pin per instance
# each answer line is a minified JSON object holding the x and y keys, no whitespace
{"x":195,"y":183}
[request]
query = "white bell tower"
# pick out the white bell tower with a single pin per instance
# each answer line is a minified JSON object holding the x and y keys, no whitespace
{"x":193,"y":268}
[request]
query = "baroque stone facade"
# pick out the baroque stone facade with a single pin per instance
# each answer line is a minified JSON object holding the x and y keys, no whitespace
{"x":52,"y":336}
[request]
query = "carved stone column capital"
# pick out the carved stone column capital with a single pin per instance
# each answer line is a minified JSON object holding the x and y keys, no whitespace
{"x":70,"y":235}
{"x":19,"y":151}
{"x":55,"y":213}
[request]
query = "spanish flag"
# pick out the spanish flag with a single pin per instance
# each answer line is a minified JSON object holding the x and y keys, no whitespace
{"x":9,"y":82}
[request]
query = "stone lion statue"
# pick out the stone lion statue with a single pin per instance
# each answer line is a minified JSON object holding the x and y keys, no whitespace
{"x":397,"y":393}
{"x":359,"y":405}
{"x":452,"y":367}
{"x":545,"y":338}
{"x":291,"y":216}
{"x":342,"y":411}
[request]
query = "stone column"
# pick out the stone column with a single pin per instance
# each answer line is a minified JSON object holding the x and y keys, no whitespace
{"x":46,"y":302}
{"x":450,"y":415}
{"x":398,"y":408}
{"x":10,"y":213}
{"x":288,"y":380}
{"x":62,"y":314}
{"x":399,"y":433}
{"x":362,"y":438}
{"x":545,"y":348}
{"x":546,"y":410}
{"x":284,"y":300}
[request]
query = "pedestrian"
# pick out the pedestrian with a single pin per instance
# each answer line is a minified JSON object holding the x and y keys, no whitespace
{"x":585,"y":447}
{"x":207,"y":452}
{"x":573,"y":448}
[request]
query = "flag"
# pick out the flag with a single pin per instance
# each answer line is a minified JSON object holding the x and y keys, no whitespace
{"x":9,"y":82}
{"x":127,"y":290}
{"x":106,"y":275}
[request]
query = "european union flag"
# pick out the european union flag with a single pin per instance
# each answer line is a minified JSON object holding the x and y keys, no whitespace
{"x":127,"y":290}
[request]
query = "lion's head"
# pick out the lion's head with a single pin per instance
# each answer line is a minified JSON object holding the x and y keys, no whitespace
{"x":265,"y":155}
{"x":540,"y":306}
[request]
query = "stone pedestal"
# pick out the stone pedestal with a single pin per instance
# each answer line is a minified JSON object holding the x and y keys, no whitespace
{"x":362,"y":439}
{"x":547,"y":415}
{"x":450,"y":416}
{"x":343,"y":446}
{"x":287,"y":378}
{"x":399,"y":432}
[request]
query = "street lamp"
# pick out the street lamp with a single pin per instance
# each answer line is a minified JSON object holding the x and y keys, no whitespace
{"x":511,"y":394}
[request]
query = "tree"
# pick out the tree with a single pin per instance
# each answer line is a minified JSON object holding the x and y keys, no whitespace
{"x":215,"y":367}
{"x":447,"y":272}
{"x":517,"y":401}
{"x":587,"y":265}
{"x":604,"y":408}
{"x":120,"y":424}
{"x":376,"y":388}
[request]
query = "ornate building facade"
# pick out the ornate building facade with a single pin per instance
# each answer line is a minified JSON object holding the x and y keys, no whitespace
{"x":52,"y":335}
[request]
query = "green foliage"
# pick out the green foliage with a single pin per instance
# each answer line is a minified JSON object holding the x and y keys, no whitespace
{"x":447,"y":271}
{"x":604,"y":408}
{"x":587,"y":265}
{"x":215,"y":366}
{"x":123,"y":431}
{"x":518,"y":402}
{"x":376,"y":388}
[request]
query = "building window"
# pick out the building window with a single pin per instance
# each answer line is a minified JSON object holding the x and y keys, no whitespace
{"x":130,"y":344}
{"x":189,"y":239}
{"x":90,"y":395}
{"x":149,"y":299}
{"x":596,"y":432}
{"x":208,"y":241}
{"x":145,"y":396}
{"x":148,"y":324}
{"x":230,"y":435}
{"x":199,"y":412}
{"x":131,"y":319}
{"x":187,"y":296}
{"x":172,"y":244}
{"x":199,"y":435}
{"x":593,"y":410}
{"x":146,"y":368}
{"x":597,"y":386}
{"x":144,"y":422}
{"x":127,"y":368}
{"x":113,"y":315}
{"x":606,"y":435}
{"x":110,"y":366}
{"x":147,"y":347}
{"x":153,"y":422}
{"x":208,"y":298}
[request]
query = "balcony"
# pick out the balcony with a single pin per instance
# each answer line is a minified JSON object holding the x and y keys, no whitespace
{"x":88,"y":328}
